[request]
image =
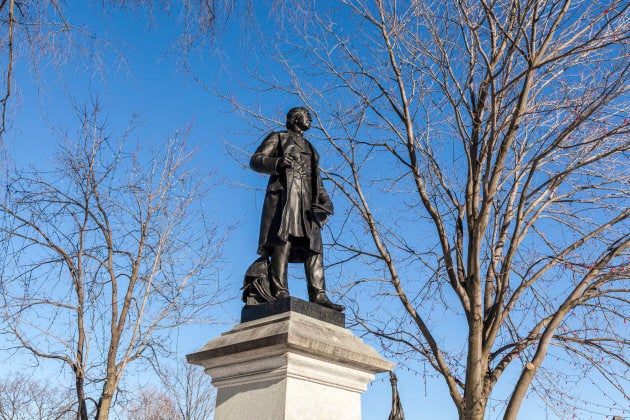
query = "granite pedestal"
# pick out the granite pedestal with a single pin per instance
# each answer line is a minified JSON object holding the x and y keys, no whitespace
{"x":289,"y":359}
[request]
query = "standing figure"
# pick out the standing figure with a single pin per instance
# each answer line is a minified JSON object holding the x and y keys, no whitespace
{"x":296,"y":206}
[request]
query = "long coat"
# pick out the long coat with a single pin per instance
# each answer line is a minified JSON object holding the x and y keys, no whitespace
{"x":274,"y":214}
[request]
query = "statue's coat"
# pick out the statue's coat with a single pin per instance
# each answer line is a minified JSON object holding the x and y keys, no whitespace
{"x":273,"y":229}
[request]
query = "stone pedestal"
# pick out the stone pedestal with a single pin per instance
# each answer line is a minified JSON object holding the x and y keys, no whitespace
{"x":289,"y":360}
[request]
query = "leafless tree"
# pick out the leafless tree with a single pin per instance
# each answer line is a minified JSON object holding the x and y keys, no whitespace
{"x":24,"y":397}
{"x":185,"y":393}
{"x":482,"y":150}
{"x":194,"y":394}
{"x":106,"y":255}
{"x":151,"y":403}
{"x":38,"y":33}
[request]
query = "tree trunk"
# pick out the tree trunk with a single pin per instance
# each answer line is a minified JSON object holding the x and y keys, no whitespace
{"x":105,"y":402}
{"x":475,"y":399}
{"x":477,"y":409}
{"x":82,"y":409}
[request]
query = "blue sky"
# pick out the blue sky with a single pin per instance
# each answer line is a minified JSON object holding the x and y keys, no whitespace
{"x":145,"y":79}
{"x":142,"y":76}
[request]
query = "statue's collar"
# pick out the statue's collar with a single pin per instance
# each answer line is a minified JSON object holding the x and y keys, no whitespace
{"x":297,"y":138}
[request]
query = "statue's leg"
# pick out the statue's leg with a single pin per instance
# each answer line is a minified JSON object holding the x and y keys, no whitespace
{"x":314,"y":268}
{"x":278,"y":283}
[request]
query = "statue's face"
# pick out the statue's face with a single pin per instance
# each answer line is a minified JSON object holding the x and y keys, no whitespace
{"x":304,"y":122}
{"x":299,"y":119}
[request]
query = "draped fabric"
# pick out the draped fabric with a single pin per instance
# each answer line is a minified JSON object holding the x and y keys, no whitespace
{"x":296,"y":202}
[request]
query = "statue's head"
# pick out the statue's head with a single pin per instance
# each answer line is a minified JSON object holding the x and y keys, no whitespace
{"x":299,"y":119}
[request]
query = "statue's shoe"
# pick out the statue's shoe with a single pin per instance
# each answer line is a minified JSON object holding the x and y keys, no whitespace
{"x":282,"y":294}
{"x":322,"y":300}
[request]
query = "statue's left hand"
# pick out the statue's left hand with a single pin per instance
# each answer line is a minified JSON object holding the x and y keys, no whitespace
{"x":320,"y":218}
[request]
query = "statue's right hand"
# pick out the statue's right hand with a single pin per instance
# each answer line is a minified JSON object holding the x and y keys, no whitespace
{"x":285,"y":161}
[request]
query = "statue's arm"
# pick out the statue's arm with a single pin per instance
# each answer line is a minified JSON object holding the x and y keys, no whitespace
{"x":323,"y":201}
{"x":264,"y":159}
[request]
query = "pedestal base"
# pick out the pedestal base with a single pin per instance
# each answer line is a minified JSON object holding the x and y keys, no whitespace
{"x":289,"y":366}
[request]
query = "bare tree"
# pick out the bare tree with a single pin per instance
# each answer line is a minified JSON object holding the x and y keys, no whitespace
{"x":193,"y":392}
{"x":151,"y":403}
{"x":482,"y":150}
{"x":37,"y":33}
{"x":196,"y":395}
{"x":106,"y":255}
{"x":185,"y":393}
{"x":24,"y":397}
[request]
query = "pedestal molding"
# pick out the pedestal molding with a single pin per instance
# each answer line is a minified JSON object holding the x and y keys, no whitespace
{"x":291,"y":332}
{"x":289,"y":366}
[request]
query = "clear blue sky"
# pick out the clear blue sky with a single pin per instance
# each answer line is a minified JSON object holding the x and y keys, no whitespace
{"x":142,"y":76}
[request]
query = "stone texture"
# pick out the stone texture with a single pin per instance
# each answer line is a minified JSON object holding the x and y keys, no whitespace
{"x":263,"y":310}
{"x":289,"y":366}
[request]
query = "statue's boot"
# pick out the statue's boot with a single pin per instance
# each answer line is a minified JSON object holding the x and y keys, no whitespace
{"x":278,"y":283}
{"x":322,"y":299}
{"x":282,"y":294}
{"x":314,"y":267}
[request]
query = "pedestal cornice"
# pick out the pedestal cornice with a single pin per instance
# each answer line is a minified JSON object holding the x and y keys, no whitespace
{"x":290,"y":332}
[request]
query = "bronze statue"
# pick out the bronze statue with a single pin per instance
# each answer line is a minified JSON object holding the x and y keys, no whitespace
{"x":296,"y":206}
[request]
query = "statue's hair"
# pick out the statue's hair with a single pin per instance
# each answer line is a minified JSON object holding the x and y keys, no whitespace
{"x":295,"y":113}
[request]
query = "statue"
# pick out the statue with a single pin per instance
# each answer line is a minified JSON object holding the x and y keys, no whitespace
{"x":296,"y":207}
